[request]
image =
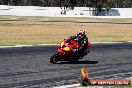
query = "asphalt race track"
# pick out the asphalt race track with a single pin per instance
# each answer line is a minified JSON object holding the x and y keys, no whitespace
{"x":24,"y":67}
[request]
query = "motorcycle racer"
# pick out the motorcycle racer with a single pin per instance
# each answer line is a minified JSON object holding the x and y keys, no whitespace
{"x":72,"y":49}
{"x":82,"y":39}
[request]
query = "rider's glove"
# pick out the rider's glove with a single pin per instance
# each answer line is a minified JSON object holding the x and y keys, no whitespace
{"x":74,"y":50}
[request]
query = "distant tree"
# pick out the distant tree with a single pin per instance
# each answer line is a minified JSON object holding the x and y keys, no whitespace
{"x":65,"y":5}
{"x":14,"y":2}
{"x":4,"y":2}
{"x":71,"y":3}
{"x":98,"y":5}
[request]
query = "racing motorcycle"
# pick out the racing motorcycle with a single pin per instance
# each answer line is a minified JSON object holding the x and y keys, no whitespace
{"x":65,"y":53}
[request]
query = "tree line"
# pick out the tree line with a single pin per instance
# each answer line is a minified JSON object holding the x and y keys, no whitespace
{"x":58,"y":3}
{"x":96,"y":5}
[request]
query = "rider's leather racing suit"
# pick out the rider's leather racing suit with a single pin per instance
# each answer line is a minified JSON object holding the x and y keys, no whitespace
{"x":83,"y":42}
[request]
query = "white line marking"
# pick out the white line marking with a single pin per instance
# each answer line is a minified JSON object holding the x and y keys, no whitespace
{"x":68,"y":86}
{"x":58,"y":44}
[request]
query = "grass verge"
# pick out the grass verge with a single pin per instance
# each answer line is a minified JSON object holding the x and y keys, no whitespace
{"x":40,"y":30}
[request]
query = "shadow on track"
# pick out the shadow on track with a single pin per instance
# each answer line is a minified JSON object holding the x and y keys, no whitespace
{"x":79,"y":62}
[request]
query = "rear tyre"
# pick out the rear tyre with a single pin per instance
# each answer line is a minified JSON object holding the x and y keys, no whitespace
{"x":54,"y":58}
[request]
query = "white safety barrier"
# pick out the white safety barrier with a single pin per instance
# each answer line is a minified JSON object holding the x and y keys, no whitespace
{"x":56,"y":12}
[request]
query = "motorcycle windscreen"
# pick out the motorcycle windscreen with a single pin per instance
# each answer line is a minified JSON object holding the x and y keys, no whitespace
{"x":62,"y":44}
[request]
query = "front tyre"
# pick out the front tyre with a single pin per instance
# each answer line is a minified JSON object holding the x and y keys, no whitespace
{"x":54,"y":58}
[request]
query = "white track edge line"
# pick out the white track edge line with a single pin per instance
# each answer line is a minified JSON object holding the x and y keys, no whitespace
{"x":68,"y":86}
{"x":58,"y":44}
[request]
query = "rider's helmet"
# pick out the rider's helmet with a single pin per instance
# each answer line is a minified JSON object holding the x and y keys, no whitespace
{"x":81,"y":34}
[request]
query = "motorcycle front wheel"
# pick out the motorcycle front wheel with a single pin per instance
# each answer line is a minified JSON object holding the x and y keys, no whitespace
{"x":54,"y":58}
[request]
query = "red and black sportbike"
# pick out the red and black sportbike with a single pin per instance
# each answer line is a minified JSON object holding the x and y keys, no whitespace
{"x":65,"y":52}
